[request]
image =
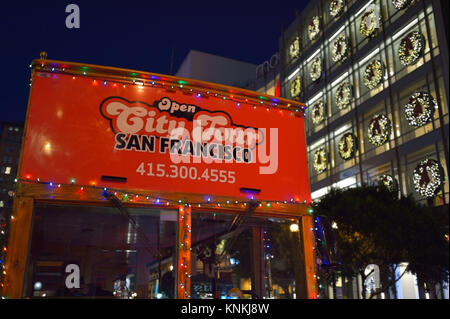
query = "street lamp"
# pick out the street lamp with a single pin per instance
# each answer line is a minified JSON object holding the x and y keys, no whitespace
{"x":294,"y":227}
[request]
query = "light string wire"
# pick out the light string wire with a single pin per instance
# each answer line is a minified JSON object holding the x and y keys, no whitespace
{"x":129,"y":195}
{"x":158,"y":83}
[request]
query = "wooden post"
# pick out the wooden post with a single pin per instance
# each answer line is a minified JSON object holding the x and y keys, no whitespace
{"x":183,"y":280}
{"x":308,"y":254}
{"x":18,"y":246}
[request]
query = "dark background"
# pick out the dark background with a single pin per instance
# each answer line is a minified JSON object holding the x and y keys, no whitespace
{"x":132,"y":34}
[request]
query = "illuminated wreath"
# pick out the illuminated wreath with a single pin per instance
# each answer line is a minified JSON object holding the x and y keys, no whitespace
{"x":373,"y":74}
{"x":343,"y":95}
{"x":294,"y":49}
{"x":318,"y":113}
{"x":314,"y":28}
{"x":320,"y":160}
{"x":389,"y":182}
{"x":428,"y":177}
{"x":400,"y":4}
{"x":369,"y":23}
{"x":420,"y":109}
{"x":340,"y":49}
{"x":336,"y":7}
{"x":296,"y":87}
{"x":379,"y":130}
{"x":411,"y":48}
{"x":347,"y":146}
{"x":315,"y":70}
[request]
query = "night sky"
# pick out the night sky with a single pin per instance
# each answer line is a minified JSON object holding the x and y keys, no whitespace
{"x":132,"y":34}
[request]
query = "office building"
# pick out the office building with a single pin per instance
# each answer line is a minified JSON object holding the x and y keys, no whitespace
{"x":374,"y":76}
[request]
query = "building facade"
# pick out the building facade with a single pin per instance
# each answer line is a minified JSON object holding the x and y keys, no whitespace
{"x":217,"y":69}
{"x":267,"y":76}
{"x":374,"y":76}
{"x":10,"y":143}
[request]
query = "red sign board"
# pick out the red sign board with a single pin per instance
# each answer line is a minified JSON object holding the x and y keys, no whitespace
{"x":135,"y":137}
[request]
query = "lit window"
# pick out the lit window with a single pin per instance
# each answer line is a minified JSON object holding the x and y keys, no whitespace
{"x":348,"y":182}
{"x":319,"y":193}
{"x":10,"y":128}
{"x":8,"y":170}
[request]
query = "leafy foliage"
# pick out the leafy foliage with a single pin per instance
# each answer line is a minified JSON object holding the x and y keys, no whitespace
{"x":375,"y":226}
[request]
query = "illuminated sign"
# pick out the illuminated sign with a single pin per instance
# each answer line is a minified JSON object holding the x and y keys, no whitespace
{"x":136,"y":137}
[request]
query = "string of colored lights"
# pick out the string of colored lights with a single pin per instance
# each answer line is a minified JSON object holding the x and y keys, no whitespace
{"x":320,"y":251}
{"x":268,"y":258}
{"x":3,"y":244}
{"x":184,"y":264}
{"x":4,"y":232}
{"x":130,"y":196}
{"x":157,"y":82}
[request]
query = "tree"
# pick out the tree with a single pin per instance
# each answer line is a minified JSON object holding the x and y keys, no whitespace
{"x":428,"y":250}
{"x":376,"y":226}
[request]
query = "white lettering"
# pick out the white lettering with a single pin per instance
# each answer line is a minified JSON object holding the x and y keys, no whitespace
{"x":73,"y":279}
{"x":73,"y":19}
{"x":272,"y":158}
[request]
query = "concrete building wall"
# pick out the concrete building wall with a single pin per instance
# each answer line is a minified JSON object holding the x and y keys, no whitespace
{"x":213,"y":68}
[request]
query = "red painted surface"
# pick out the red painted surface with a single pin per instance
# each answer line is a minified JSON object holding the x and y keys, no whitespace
{"x":71,"y":135}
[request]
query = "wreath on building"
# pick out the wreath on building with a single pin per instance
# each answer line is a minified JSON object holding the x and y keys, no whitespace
{"x":420,"y":109}
{"x":411,"y":47}
{"x":379,"y":130}
{"x":314,"y":28}
{"x":373,"y":75}
{"x":347,"y":146}
{"x":294,"y":49}
{"x":369,"y":23}
{"x":343,"y":95}
{"x":428,"y":177}
{"x":388,"y":181}
{"x":296,"y":87}
{"x":336,"y":7}
{"x":400,"y":4}
{"x":340,"y":49}
{"x":320,"y":160}
{"x":318,"y":113}
{"x":315,"y":70}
